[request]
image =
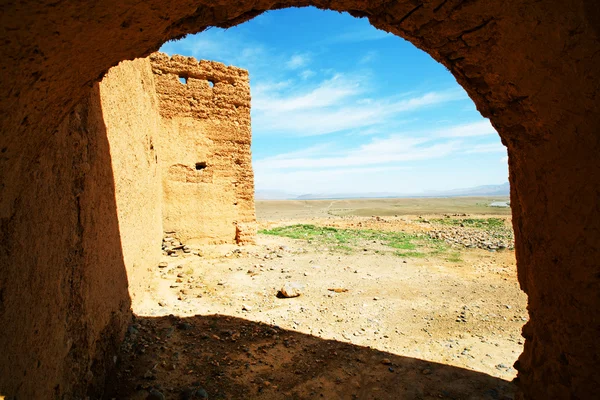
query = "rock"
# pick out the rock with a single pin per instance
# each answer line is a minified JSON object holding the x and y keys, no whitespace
{"x":289,"y":290}
{"x":246,"y":307}
{"x":201,"y":393}
{"x":386,"y":361}
{"x":163,"y":264}
{"x":338,"y":290}
{"x":426,"y":371}
{"x":193,"y":393}
{"x":155,"y":395}
{"x":150,"y":376}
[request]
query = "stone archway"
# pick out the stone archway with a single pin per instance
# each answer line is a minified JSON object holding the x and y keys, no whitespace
{"x":531,"y":67}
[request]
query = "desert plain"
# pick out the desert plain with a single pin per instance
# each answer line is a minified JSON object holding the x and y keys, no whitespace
{"x":397,"y":299}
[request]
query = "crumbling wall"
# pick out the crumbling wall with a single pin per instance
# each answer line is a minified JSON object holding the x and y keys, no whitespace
{"x":180,"y":155}
{"x":205,"y":151}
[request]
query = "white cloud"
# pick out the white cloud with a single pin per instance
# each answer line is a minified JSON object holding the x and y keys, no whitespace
{"x":266,"y":88}
{"x":307,"y":73}
{"x":486,"y":148}
{"x":219,"y":45}
{"x":368,"y":57}
{"x":329,"y":92}
{"x":480,"y":128}
{"x":297,"y":61}
{"x":335,"y":105}
{"x":312,"y":151}
{"x":393,"y":149}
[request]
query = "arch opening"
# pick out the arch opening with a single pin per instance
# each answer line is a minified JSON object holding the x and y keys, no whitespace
{"x":550,"y":134}
{"x":403,"y":252}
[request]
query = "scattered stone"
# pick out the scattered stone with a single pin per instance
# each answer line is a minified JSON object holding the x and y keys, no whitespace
{"x":155,"y":395}
{"x":201,"y":393}
{"x":246,"y":307}
{"x":193,"y":393}
{"x":386,"y":361}
{"x":289,"y":290}
{"x":338,"y":290}
{"x":468,"y":237}
{"x":150,"y":376}
{"x":163,"y":264}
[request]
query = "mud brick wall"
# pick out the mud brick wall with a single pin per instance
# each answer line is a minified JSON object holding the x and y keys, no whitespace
{"x":204,"y":148}
{"x":133,"y":128}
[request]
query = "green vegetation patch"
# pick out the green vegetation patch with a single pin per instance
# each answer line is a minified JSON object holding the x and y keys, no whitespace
{"x":454,"y":257}
{"x":348,"y":240}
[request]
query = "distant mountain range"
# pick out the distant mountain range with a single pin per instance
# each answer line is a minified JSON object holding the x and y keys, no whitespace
{"x":486,"y":190}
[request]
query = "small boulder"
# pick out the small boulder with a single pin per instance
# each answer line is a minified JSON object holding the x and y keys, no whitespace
{"x":289,"y":290}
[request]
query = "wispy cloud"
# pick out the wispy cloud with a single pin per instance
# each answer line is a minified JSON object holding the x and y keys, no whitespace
{"x":311,"y":151}
{"x":480,"y":128}
{"x":307,"y":73}
{"x":328,"y":93}
{"x":390,"y":151}
{"x":393,"y":149}
{"x":368,"y":57}
{"x":298,"y":61}
{"x":486,"y":148}
{"x":334,"y":105}
{"x":218,"y":45}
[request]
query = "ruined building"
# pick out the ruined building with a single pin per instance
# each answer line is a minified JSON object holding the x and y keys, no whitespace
{"x":179,"y":137}
{"x":70,"y":240}
{"x":181,"y":147}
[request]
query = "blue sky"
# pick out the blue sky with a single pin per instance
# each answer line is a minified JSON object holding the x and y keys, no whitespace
{"x":341,"y":107}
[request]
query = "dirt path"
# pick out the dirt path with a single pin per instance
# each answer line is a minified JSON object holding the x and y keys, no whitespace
{"x":396,"y":327}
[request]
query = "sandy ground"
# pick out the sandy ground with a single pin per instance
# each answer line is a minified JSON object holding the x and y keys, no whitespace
{"x":393,"y":328}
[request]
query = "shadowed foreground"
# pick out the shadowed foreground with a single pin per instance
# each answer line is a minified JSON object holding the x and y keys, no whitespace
{"x":231,"y":358}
